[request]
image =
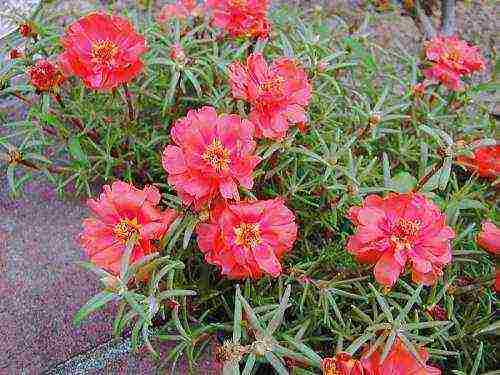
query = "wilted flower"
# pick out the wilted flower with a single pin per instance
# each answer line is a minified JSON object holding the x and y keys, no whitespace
{"x":489,"y":238}
{"x":121,"y":212}
{"x":27,"y":30}
{"x":212,"y":155}
{"x":15,"y":54}
{"x":181,"y":9}
{"x":177,"y":53}
{"x":241,"y":17}
{"x":45,"y":75}
{"x":399,"y":362}
{"x":485,"y":161}
{"x":341,"y":364}
{"x":401,"y":229}
{"x":437,"y":312}
{"x":103,"y":50}
{"x":452,"y":58}
{"x":277,"y":93}
{"x":248,"y":239}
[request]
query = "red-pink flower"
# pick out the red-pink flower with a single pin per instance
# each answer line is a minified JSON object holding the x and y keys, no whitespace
{"x":489,"y":237}
{"x":121,"y":212}
{"x":398,"y":230}
{"x":103,"y":50}
{"x":485,"y":161}
{"x":248,"y":239}
{"x":45,"y":75}
{"x":400,"y":361}
{"x":277,"y":93}
{"x":452,"y":58}
{"x":212,"y":155}
{"x":181,"y":9}
{"x":241,"y":17}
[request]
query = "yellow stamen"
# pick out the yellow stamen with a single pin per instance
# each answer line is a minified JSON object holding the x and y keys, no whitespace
{"x":125,"y":229}
{"x":217,"y":156}
{"x":104,"y":51}
{"x":248,"y":235}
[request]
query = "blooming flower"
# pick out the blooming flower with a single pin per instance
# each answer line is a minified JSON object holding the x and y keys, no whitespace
{"x":45,"y":75}
{"x":489,"y":238}
{"x":211,"y":156}
{"x":277,"y":93}
{"x":398,"y":229}
{"x":123,"y":211}
{"x":452,"y":58}
{"x":341,"y":364}
{"x":182,"y":9}
{"x":103,"y":50}
{"x":399,"y":362}
{"x":485,"y":161}
{"x":248,"y":239}
{"x":241,"y":17}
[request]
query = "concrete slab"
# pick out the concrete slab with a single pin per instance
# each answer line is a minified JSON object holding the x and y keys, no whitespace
{"x":41,"y":288}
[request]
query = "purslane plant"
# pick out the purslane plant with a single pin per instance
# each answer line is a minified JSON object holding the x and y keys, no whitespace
{"x":272,"y":211}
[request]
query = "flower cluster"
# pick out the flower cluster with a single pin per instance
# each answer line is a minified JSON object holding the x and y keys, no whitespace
{"x":278,"y":93}
{"x":399,"y":361}
{"x":103,"y":50}
{"x":124,"y":213}
{"x":485,"y":161}
{"x":451,"y":59}
{"x":241,"y":17}
{"x":401,"y":229}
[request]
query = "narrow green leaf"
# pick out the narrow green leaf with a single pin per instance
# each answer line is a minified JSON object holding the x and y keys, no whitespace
{"x":92,"y":305}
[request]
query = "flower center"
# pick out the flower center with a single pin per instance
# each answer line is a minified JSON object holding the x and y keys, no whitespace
{"x":405,"y":233}
{"x":104,"y":51}
{"x":273,"y":85}
{"x":217,"y":156}
{"x":125,"y":229}
{"x":248,"y":235}
{"x":237,"y":3}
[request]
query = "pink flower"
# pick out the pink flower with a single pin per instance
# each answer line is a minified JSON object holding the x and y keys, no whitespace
{"x":248,"y":239}
{"x":277,"y":93}
{"x":212,"y":155}
{"x":489,"y":238}
{"x":400,"y":361}
{"x":452,"y":58}
{"x":121,"y":212}
{"x":401,"y":229}
{"x":103,"y":50}
{"x":241,"y":17}
{"x":182,"y":9}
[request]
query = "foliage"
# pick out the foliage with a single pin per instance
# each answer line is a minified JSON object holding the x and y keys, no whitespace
{"x":367,"y":133}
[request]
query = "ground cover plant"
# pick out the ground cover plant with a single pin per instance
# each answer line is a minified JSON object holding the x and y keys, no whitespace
{"x":277,"y":194}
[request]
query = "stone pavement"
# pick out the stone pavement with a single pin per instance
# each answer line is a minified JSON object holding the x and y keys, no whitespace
{"x":41,"y":288}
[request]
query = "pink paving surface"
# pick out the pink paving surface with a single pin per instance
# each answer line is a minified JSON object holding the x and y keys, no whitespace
{"x":41,"y":288}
